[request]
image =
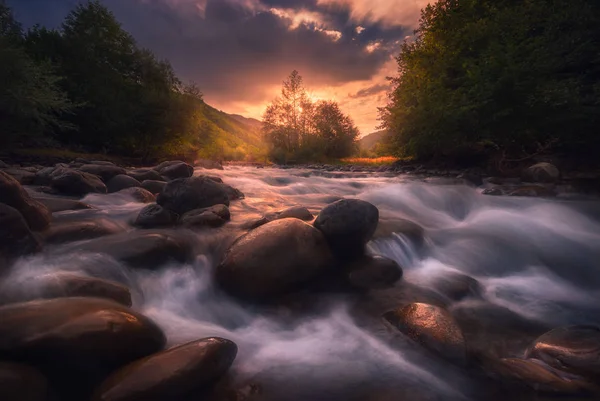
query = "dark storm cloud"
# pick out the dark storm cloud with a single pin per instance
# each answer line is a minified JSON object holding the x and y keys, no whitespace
{"x":372,"y":90}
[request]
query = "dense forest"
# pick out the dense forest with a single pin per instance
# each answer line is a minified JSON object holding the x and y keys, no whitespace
{"x":508,"y":79}
{"x":88,"y":86}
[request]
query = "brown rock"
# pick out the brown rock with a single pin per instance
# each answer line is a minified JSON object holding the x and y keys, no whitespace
{"x":21,"y":383}
{"x":12,"y":193}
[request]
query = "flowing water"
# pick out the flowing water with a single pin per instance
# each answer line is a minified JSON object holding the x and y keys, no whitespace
{"x":537,"y":261}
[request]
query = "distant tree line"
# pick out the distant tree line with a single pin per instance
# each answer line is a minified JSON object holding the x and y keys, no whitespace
{"x":89,"y":85}
{"x":509,"y":77}
{"x":298,"y":129}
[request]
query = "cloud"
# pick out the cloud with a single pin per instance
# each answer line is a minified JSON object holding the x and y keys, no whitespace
{"x":371,"y":90}
{"x":389,"y":12}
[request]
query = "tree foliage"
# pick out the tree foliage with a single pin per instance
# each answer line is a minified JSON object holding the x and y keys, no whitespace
{"x":512,"y":75}
{"x":298,"y":129}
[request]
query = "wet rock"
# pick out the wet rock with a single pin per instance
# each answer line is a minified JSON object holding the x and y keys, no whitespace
{"x":61,"y":204}
{"x":433,"y":327}
{"x":273,"y":259}
{"x":155,"y":216}
{"x":471,"y":179}
{"x":208,"y":164}
{"x":213,"y":177}
{"x":63,"y":284}
{"x":186,"y":194}
{"x":154,"y":186}
{"x":409,"y":229}
{"x":105,"y":171}
{"x":166,"y":164}
{"x":374,"y":272}
{"x":145,"y":249}
{"x":69,"y":231}
{"x":348,"y":225}
{"x":457,"y":286}
{"x":495,"y":191}
{"x":541,"y":172}
{"x":20,"y":382}
{"x":88,"y":335}
{"x":22,"y":176}
{"x":145,"y":174}
{"x":16,"y":238}
{"x":139,"y":194}
{"x":296,"y":212}
{"x":574,"y":349}
{"x":44,"y":176}
{"x":214,"y":216}
{"x":120,"y":182}
{"x":179,"y":170}
{"x":532,"y":191}
{"x":12,"y":194}
{"x":171,"y":374}
{"x":76,"y":183}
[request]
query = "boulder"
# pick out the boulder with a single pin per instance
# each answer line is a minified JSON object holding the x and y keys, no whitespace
{"x":145,"y":174}
{"x":16,"y":238}
{"x":432,"y":327}
{"x":213,"y":177}
{"x":139,"y":194}
{"x":61,"y":204}
{"x":273,"y":259}
{"x":208,"y":164}
{"x":63,"y":284}
{"x":574,"y":349}
{"x":535,"y":191}
{"x":69,"y":231}
{"x":21,"y":383}
{"x":214,"y":216}
{"x":76,"y":183}
{"x":22,"y":176}
{"x":406,"y":228}
{"x":374,"y":272}
{"x":178,"y":170}
{"x":12,"y":194}
{"x":154,"y":186}
{"x":155,"y":215}
{"x":541,"y":172}
{"x":171,"y":374}
{"x":296,"y":212}
{"x":44,"y":176}
{"x":495,"y":191}
{"x":120,"y":182}
{"x":76,"y":335}
{"x":186,"y":194}
{"x":348,"y":225}
{"x":145,"y":249}
{"x":166,"y":164}
{"x":457,"y":286}
{"x":105,"y":171}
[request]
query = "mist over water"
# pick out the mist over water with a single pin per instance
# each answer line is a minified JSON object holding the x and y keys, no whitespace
{"x":536,"y":261}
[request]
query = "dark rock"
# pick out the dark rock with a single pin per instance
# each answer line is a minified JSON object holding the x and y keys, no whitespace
{"x":541,"y":172}
{"x":16,"y":238}
{"x":432,"y":327}
{"x":532,"y":191}
{"x":120,"y":182}
{"x":12,"y":193}
{"x":273,"y":259}
{"x":495,"y":191}
{"x":214,"y":216}
{"x":296,"y":212}
{"x":22,"y":176}
{"x":101,"y":163}
{"x":145,"y":249}
{"x":139,"y":194}
{"x":457,"y":286}
{"x":186,"y":194}
{"x":145,"y":174}
{"x":208,"y":164}
{"x":3,"y":165}
{"x":21,"y":383}
{"x":213,"y":177}
{"x":179,"y":170}
{"x":69,"y":231}
{"x":406,"y":228}
{"x":171,"y":374}
{"x":44,"y":176}
{"x":374,"y":272}
{"x":166,"y":164}
{"x":471,"y":179}
{"x":155,"y":216}
{"x":154,"y":186}
{"x":105,"y":171}
{"x":348,"y":225}
{"x":76,"y":183}
{"x":61,"y":204}
{"x":89,"y":335}
{"x":63,"y":284}
{"x":574,"y":349}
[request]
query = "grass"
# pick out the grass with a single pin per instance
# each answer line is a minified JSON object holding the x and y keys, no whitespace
{"x":370,"y":161}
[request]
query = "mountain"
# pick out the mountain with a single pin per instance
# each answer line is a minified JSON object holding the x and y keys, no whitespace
{"x":252,"y":122}
{"x":368,"y":142}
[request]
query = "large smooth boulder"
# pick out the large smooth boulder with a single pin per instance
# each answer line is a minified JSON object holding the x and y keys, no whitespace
{"x":374,"y":272}
{"x":296,"y":212}
{"x":186,"y":194}
{"x":273,"y":259}
{"x":144,"y":174}
{"x":12,"y":193}
{"x":68,"y":231}
{"x":145,"y":249}
{"x":138,"y":194}
{"x":541,"y":172}
{"x":208,"y":164}
{"x":77,"y":334}
{"x":20,"y":382}
{"x":63,"y":284}
{"x":120,"y":182}
{"x":76,"y":183}
{"x":456,"y":286}
{"x":432,"y":327}
{"x":178,"y":170}
{"x":105,"y":171}
{"x":154,"y":216}
{"x":348,"y":225}
{"x":16,"y":238}
{"x":214,"y":216}
{"x":573,"y":349}
{"x":154,"y":186}
{"x":171,"y":374}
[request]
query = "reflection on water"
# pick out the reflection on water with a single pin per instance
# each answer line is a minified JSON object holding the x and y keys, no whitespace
{"x":537,"y":262}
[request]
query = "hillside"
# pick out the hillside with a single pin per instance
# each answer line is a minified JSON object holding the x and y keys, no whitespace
{"x":367,"y":142}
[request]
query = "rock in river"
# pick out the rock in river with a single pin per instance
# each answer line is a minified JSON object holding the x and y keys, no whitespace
{"x":76,"y":183}
{"x":177,"y":170}
{"x":186,"y":194}
{"x":120,"y":182}
{"x":170,"y":374}
{"x":16,"y":238}
{"x":273,"y":259}
{"x":155,"y":216}
{"x":373,"y":272}
{"x":105,"y":171}
{"x":348,"y":225}
{"x":138,"y":194}
{"x":541,"y":172}
{"x":432,"y":327}
{"x":21,"y":383}
{"x":80,"y":230}
{"x":12,"y":193}
{"x":154,"y":186}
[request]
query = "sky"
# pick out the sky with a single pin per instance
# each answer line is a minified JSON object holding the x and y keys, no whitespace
{"x":240,"y":51}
